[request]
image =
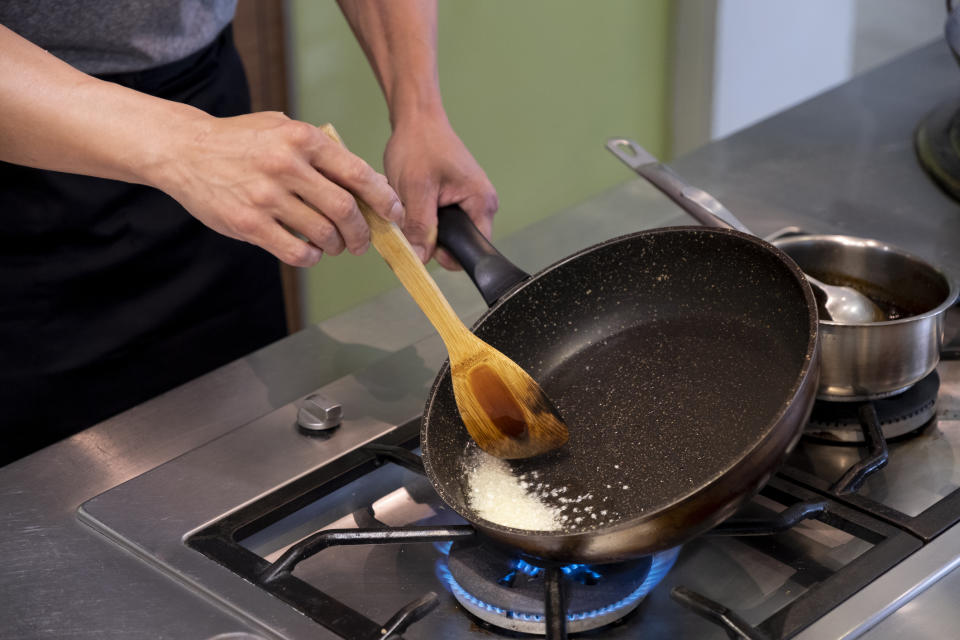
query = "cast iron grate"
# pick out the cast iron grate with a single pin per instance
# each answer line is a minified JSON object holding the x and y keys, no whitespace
{"x":926,"y":525}
{"x":889,"y":546}
{"x":220,"y":542}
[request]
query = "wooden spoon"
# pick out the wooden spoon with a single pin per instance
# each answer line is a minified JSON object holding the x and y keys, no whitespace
{"x":504,"y":409}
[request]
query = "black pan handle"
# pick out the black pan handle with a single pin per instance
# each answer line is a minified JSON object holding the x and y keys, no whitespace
{"x":493,"y":274}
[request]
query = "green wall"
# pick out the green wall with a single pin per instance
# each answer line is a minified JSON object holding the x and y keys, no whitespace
{"x":533,"y":88}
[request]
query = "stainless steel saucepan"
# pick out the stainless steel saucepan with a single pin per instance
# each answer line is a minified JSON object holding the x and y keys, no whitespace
{"x":861,"y":361}
{"x":876,"y":359}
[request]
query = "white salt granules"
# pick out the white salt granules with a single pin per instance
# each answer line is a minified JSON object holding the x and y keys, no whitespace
{"x":496,"y":494}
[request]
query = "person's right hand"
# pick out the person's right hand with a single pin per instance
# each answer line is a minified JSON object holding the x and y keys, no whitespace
{"x":274,"y":182}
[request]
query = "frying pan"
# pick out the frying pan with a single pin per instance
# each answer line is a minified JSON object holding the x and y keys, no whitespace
{"x":683,"y":360}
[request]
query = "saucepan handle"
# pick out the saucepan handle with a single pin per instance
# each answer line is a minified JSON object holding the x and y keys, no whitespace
{"x":706,"y":209}
{"x":492,"y":273}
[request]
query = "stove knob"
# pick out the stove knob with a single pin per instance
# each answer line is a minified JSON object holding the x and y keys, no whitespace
{"x":318,"y":413}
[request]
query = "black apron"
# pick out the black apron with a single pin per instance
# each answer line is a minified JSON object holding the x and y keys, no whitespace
{"x":111,"y":293}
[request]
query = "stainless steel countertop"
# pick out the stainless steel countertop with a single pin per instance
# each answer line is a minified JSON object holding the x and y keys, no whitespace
{"x":910,"y":596}
{"x":842,"y":162}
{"x":935,"y":609}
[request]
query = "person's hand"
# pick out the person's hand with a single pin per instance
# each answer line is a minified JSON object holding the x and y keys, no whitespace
{"x":277,"y":183}
{"x":430,"y":167}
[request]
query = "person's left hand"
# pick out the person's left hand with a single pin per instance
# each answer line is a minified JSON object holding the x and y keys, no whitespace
{"x":430,"y":167}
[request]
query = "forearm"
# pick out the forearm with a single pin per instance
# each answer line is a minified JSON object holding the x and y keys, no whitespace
{"x":53,"y":116}
{"x":399,"y":38}
{"x":425,"y":161}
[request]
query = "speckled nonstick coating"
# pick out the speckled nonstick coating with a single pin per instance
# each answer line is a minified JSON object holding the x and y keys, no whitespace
{"x":684,"y":361}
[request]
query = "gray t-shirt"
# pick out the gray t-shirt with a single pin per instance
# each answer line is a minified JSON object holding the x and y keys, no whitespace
{"x":113,"y":36}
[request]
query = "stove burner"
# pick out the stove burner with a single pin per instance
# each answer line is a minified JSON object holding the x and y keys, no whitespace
{"x":508,"y":592}
{"x":902,"y":414}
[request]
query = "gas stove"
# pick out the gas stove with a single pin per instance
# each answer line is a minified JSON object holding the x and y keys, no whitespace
{"x":181,"y":518}
{"x":337,"y":529}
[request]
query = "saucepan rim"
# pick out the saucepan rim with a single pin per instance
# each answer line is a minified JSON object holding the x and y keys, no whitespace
{"x":879,"y":245}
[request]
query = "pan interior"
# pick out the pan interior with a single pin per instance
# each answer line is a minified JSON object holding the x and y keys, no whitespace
{"x":670,"y":354}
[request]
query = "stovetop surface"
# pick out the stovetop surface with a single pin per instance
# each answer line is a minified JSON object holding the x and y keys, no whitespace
{"x":922,"y":469}
{"x":756,"y":577}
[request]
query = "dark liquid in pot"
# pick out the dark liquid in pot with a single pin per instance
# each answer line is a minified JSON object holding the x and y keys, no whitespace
{"x":891,"y":310}
{"x":880,"y":297}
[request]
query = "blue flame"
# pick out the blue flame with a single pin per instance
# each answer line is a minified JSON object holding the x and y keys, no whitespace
{"x":444,"y":572}
{"x":526,"y":568}
{"x":581,"y":572}
{"x":660,"y":565}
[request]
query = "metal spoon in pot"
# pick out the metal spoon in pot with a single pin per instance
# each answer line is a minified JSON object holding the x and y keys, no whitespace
{"x":846,"y":304}
{"x":841,"y":304}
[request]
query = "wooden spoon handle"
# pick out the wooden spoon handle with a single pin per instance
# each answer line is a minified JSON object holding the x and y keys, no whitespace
{"x":393,"y":246}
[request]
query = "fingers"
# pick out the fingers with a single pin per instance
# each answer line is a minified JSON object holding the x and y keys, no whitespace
{"x":330,"y":180}
{"x":336,"y":204}
{"x":287,"y":247}
{"x":445,"y":260}
{"x":357,"y":177}
{"x":266,"y":231}
{"x":420,"y":223}
{"x":317,"y":229}
{"x":482,"y":207}
{"x":266,"y":179}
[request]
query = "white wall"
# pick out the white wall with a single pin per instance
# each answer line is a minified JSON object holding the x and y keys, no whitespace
{"x":772,"y":54}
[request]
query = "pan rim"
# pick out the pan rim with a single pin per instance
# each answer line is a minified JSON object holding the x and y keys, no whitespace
{"x":705,"y":487}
